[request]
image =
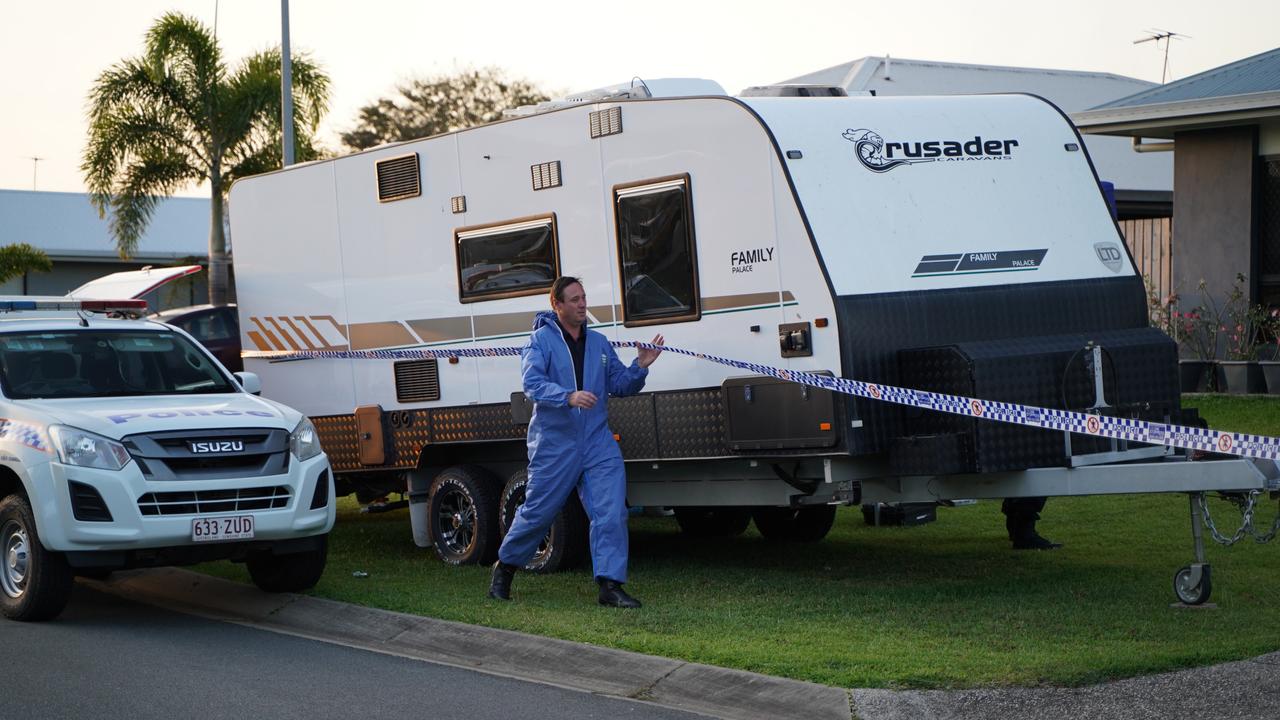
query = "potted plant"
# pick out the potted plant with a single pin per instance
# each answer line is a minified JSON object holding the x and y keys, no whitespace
{"x":1240,"y":373}
{"x":1196,"y":332}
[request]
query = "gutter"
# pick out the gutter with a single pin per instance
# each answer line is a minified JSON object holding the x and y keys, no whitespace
{"x":1150,"y":147}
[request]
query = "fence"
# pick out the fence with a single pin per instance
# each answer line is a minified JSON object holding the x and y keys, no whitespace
{"x":1151,"y":242}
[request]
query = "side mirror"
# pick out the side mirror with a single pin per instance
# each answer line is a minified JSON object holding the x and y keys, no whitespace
{"x":250,"y":382}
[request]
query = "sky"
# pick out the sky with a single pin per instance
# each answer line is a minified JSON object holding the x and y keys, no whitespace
{"x":52,"y":50}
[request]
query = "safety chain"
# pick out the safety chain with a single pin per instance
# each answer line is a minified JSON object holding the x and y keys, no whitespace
{"x":1247,"y":503}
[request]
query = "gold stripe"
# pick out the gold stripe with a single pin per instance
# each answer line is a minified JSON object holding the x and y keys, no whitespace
{"x":442,"y":329}
{"x":267,"y":334}
{"x":301,"y":335}
{"x":259,"y":341}
{"x":728,"y":302}
{"x":605,"y":313}
{"x":504,"y":323}
{"x":787,"y":296}
{"x":368,"y":336}
{"x":292,"y":345}
{"x":320,"y":337}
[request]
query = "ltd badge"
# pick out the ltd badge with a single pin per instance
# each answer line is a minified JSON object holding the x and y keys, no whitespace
{"x":1110,"y":255}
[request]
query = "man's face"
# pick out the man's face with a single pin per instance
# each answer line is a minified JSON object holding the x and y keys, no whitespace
{"x":572,"y":311}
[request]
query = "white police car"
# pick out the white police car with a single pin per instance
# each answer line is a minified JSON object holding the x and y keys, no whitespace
{"x":124,"y":444}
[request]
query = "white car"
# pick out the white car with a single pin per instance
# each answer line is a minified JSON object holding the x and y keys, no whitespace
{"x":124,"y":443}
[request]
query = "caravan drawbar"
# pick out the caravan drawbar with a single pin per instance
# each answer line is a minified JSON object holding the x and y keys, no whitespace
{"x":958,"y":244}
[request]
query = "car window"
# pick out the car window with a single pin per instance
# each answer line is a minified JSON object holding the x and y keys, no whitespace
{"x":208,"y":326}
{"x":105,"y":363}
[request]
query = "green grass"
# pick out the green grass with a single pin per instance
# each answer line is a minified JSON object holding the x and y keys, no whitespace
{"x":941,"y":605}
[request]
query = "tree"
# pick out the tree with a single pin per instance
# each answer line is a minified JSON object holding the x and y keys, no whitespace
{"x":439,"y":104}
{"x":20,"y":258}
{"x":177,"y":116}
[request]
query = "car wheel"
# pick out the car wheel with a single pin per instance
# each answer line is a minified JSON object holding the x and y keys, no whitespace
{"x":35,"y":584}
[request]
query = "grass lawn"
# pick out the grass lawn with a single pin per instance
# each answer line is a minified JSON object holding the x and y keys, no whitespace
{"x":941,"y":605}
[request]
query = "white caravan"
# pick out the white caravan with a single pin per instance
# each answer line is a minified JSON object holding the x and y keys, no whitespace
{"x":959,"y":244}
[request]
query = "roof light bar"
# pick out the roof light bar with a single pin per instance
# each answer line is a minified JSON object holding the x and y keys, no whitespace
{"x":67,"y":304}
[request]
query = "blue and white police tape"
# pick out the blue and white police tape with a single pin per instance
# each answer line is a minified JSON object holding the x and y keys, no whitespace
{"x":1142,"y":431}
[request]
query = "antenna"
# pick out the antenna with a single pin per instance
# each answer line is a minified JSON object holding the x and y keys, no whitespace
{"x":35,"y":163}
{"x":1156,"y":36}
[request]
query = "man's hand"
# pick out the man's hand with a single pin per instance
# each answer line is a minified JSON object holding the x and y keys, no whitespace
{"x":582,"y":399}
{"x":646,"y":356}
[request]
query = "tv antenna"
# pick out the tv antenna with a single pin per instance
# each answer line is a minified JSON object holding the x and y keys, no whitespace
{"x":1157,"y":35}
{"x":35,"y":164}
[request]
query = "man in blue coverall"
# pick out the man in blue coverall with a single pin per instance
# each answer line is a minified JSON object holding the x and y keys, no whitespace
{"x":569,"y":372}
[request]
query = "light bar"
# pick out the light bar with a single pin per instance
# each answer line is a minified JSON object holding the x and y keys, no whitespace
{"x":67,"y":304}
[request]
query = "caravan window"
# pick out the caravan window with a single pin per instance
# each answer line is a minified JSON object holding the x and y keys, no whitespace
{"x":518,"y":257}
{"x":656,"y":251}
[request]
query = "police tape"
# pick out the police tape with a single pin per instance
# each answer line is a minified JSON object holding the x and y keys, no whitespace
{"x":1140,"y":431}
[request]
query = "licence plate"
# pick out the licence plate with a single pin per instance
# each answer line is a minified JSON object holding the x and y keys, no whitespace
{"x":213,"y":529}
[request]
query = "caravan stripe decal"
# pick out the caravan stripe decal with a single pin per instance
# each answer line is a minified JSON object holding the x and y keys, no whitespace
{"x":1172,"y":436}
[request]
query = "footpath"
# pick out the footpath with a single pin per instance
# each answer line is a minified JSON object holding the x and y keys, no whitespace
{"x":1245,"y":689}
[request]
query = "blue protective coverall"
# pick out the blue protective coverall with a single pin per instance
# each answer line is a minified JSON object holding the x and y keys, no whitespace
{"x":571,"y":447}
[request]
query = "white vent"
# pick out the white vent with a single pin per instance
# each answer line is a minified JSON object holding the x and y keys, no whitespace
{"x":606,"y":122}
{"x":458,"y":203}
{"x":398,"y":178}
{"x":546,"y":175}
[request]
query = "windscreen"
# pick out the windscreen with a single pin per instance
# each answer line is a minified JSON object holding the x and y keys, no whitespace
{"x":105,"y":364}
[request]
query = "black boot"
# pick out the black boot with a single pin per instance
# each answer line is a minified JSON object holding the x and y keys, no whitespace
{"x":500,"y":583}
{"x":612,"y":595}
{"x":1032,"y":541}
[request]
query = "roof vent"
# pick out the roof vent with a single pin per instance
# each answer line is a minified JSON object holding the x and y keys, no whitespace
{"x":545,"y":175}
{"x":417,"y":381}
{"x":606,"y":122}
{"x":794,"y":91}
{"x":398,"y":178}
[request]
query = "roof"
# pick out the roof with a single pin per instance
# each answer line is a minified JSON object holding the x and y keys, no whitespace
{"x":1070,"y":90}
{"x":1260,"y":73}
{"x":1243,"y":92}
{"x":66,"y":226}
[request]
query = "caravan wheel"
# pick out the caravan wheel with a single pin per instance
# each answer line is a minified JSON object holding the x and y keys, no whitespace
{"x":566,"y":542}
{"x":807,"y":524}
{"x":463,"y":516}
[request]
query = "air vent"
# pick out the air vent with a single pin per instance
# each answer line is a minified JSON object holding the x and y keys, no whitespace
{"x":398,"y":178}
{"x":87,"y":504}
{"x":417,"y":381}
{"x":546,"y":175}
{"x":458,"y":203}
{"x":606,"y":122}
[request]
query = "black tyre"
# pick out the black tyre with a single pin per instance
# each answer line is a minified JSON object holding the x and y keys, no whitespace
{"x":462,"y":514}
{"x":566,"y":542}
{"x":706,"y":522}
{"x":35,"y":584}
{"x":1188,"y":593}
{"x":807,"y":524}
{"x":293,"y":572}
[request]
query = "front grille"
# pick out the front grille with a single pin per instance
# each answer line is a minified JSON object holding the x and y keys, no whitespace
{"x":244,"y":452}
{"x":202,"y":502}
{"x":86,"y":504}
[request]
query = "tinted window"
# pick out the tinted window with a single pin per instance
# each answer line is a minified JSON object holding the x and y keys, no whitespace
{"x":655,"y":249}
{"x":105,"y":363}
{"x":501,"y":261}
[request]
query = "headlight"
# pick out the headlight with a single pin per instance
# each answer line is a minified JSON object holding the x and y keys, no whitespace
{"x":80,"y":447}
{"x":304,"y":442}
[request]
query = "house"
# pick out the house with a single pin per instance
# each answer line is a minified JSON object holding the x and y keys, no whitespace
{"x":1222,"y":128}
{"x":67,"y":228}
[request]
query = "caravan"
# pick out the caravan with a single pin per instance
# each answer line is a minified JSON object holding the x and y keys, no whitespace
{"x":957,"y":244}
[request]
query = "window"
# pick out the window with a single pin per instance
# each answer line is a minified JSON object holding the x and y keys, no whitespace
{"x":91,"y":363}
{"x":513,"y":258}
{"x":656,"y":251}
{"x":1269,"y":233}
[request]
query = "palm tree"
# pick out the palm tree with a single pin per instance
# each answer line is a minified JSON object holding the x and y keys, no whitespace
{"x":177,"y":116}
{"x":20,"y":258}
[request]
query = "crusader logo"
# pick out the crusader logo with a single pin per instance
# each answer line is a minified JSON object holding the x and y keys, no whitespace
{"x":879,"y":156}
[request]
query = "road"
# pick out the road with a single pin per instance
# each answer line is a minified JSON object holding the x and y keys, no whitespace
{"x":108,"y":657}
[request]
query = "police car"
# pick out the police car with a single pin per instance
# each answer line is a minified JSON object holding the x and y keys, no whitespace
{"x":124,"y":443}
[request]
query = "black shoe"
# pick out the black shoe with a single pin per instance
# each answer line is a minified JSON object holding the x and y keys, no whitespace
{"x":612,"y":595}
{"x":500,"y":583}
{"x":1034,"y":542}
